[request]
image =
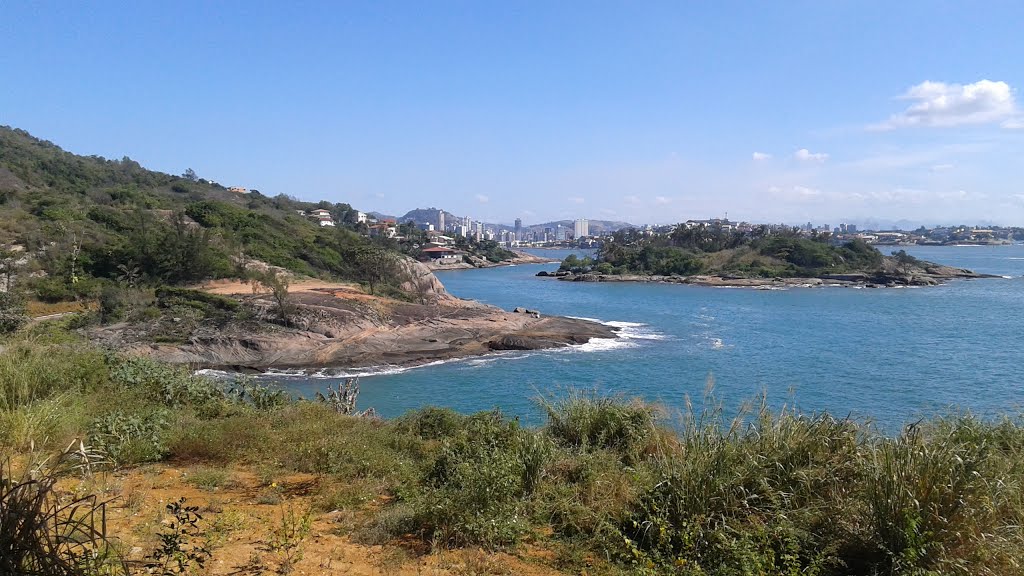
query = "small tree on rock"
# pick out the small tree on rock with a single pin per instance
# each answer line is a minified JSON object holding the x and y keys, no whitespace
{"x":278,"y":285}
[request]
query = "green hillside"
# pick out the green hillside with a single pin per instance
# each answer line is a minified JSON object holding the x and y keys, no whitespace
{"x":81,"y":221}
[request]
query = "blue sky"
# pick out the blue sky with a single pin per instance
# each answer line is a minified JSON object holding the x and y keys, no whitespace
{"x":647,"y":112}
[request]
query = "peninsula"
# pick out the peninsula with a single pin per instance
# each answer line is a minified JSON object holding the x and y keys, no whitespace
{"x":188,"y":271}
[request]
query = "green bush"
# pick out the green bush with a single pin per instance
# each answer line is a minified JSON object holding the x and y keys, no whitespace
{"x":130,"y":438}
{"x":431,"y":423}
{"x":12,"y":313}
{"x":474,"y":491}
{"x":171,"y":386}
{"x":588,"y":420}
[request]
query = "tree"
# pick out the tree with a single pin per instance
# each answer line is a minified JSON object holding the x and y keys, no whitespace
{"x":12,"y":313}
{"x":905,"y":261}
{"x":278,"y":286}
{"x":190,"y":175}
{"x":376,"y":266}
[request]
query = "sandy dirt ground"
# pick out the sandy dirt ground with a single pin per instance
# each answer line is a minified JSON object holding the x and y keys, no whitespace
{"x":244,"y":513}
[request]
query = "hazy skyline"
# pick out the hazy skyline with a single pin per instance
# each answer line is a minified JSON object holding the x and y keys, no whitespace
{"x":643,"y":112}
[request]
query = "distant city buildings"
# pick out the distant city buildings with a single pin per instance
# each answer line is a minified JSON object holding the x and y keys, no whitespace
{"x":519,"y":229}
{"x":581,"y":228}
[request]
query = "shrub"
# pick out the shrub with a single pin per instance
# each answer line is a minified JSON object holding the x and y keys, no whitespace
{"x":587,"y":420}
{"x":42,"y":534}
{"x":134,"y":438}
{"x":12,"y":313}
{"x":474,"y":489}
{"x":431,"y":423}
{"x":172,"y":386}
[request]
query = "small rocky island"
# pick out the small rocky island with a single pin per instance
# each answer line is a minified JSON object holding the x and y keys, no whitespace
{"x":764,"y":258}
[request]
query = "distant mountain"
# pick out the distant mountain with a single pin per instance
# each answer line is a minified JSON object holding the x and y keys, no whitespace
{"x":596,"y":226}
{"x":382,"y":216}
{"x":423,"y":215}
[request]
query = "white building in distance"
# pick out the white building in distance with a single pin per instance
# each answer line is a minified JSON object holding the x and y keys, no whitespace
{"x":581,"y":228}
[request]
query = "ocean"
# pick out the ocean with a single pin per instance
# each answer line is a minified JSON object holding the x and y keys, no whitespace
{"x":889,"y":355}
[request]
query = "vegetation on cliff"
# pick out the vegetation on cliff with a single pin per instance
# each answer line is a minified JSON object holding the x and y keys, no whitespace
{"x":609,"y":485}
{"x":75,"y":225}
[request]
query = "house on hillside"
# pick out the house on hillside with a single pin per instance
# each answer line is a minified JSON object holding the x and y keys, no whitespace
{"x":323,"y":217}
{"x":383,"y":230}
{"x":440,"y":255}
{"x":238,"y":190}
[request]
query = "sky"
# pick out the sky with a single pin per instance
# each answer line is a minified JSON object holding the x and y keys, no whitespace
{"x":647,"y":112}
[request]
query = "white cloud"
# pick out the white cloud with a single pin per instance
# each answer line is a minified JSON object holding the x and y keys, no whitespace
{"x":576,"y":199}
{"x":795,"y":193}
{"x":761,"y":156}
{"x":938,"y":104}
{"x":941,"y":167}
{"x":482,"y":198}
{"x":1014,"y":123}
{"x":608,"y":212}
{"x":805,"y":155}
{"x":662,"y":200}
{"x":631,"y":199}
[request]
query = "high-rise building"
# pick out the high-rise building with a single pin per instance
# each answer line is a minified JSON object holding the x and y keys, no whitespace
{"x":519,"y":228}
{"x":440,"y":220}
{"x":581,"y":228}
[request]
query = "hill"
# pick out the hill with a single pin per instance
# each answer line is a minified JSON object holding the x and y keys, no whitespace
{"x":86,"y":221}
{"x":596,"y":226}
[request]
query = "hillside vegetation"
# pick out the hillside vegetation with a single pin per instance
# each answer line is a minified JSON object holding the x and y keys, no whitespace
{"x":72,"y":225}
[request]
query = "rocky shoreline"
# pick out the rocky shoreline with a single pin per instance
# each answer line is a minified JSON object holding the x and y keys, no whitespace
{"x":520,"y":258}
{"x":929,"y":275}
{"x":342,"y":328}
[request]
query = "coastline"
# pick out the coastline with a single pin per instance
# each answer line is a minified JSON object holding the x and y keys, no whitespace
{"x":932,"y":276}
{"x":520,"y":258}
{"x":337,"y":327}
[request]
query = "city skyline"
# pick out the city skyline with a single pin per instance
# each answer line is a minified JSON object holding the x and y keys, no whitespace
{"x":653,"y":114}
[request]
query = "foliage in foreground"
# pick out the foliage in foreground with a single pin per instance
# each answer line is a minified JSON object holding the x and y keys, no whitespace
{"x":42,"y":533}
{"x":766,"y":492}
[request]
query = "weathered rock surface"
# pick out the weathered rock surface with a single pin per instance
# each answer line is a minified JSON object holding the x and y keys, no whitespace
{"x":338,"y":328}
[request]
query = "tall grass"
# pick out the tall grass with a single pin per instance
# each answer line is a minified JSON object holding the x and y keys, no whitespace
{"x":769,"y":491}
{"x":31,"y":370}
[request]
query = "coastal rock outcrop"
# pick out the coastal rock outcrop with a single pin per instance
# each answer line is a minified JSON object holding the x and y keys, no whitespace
{"x":339,"y":326}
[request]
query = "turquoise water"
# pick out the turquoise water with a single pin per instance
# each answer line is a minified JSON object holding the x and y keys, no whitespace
{"x":892,"y":355}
